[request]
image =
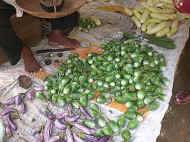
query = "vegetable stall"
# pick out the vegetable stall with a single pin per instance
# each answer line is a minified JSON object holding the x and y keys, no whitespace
{"x":117,"y":90}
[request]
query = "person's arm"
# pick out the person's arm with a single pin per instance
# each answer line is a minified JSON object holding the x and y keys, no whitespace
{"x":19,"y":11}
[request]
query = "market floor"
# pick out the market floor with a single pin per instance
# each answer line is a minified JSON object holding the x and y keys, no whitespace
{"x":176,"y":124}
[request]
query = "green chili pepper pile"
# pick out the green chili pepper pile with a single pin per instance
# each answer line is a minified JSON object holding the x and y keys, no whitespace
{"x":127,"y":72}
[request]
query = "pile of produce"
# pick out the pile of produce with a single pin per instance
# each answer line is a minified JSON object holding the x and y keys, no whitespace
{"x":86,"y":24}
{"x":158,"y":17}
{"x":127,"y":72}
{"x":154,"y":17}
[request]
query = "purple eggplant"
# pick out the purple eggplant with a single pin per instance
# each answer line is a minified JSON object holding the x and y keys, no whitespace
{"x":85,"y":112}
{"x":91,"y":138}
{"x":7,"y":111}
{"x":48,"y":130}
{"x":104,"y":139}
{"x":84,"y":129}
{"x":30,"y":95}
{"x":11,"y":123}
{"x":54,"y":139}
{"x":77,"y":138}
{"x":8,"y":131}
{"x":69,"y":135}
{"x":39,"y":138}
{"x":61,"y":115}
{"x":18,"y":99}
{"x":22,"y":108}
{"x":59,"y":125}
{"x":72,"y":118}
{"x":10,"y":101}
{"x":50,"y":115}
{"x":39,"y":88}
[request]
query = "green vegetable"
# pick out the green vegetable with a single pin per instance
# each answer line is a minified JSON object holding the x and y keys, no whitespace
{"x":128,"y":72}
{"x":85,"y":24}
{"x":122,"y":121}
{"x":126,"y":135}
{"x":132,"y":124}
{"x":153,"y":106}
{"x":84,"y":100}
{"x":89,"y":123}
{"x":107,"y":131}
{"x":101,"y":122}
{"x":99,"y":133}
{"x":40,"y":95}
{"x":114,"y":126}
{"x":161,"y":41}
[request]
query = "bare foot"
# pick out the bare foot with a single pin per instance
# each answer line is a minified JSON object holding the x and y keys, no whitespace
{"x":30,"y":63}
{"x":182,"y":97}
{"x":57,"y":38}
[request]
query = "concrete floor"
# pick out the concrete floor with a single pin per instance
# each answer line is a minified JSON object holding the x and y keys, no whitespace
{"x":176,"y":124}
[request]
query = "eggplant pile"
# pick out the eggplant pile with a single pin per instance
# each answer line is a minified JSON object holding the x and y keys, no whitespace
{"x":127,"y":72}
{"x":78,"y":125}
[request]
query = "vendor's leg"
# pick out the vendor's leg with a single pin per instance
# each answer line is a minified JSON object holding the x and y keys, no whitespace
{"x":12,"y":45}
{"x":60,"y":28}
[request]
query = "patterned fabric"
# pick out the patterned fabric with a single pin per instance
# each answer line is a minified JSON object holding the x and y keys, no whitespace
{"x":183,"y":5}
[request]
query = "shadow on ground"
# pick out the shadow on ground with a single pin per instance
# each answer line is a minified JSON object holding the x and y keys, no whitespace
{"x":176,"y":124}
